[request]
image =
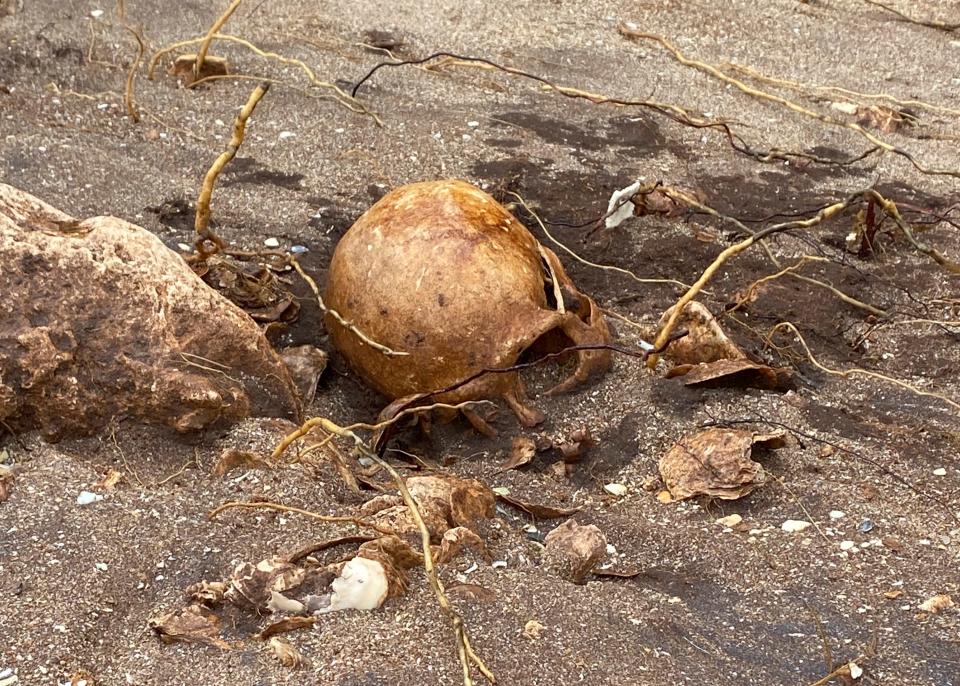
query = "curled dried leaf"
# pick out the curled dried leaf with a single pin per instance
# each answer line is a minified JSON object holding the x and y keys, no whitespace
{"x":572,"y":551}
{"x":193,"y":624}
{"x":306,"y":363}
{"x":705,"y":340}
{"x":109,"y":481}
{"x":285,"y":652}
{"x":251,"y":585}
{"x":183,"y":66}
{"x":286,"y":624}
{"x":738,"y":372}
{"x":716,"y":462}
{"x":522,"y":452}
{"x":536,"y":509}
{"x":232,"y":458}
{"x":456,"y":540}
{"x":207,"y":592}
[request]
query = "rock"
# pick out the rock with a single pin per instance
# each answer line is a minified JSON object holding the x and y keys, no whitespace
{"x":572,"y":551}
{"x":100,"y":320}
{"x":939,"y":471}
{"x":729,"y":521}
{"x":792,"y":526}
{"x":615,"y":489}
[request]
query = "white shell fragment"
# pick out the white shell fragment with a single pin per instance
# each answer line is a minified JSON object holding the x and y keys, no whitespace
{"x":792,"y":526}
{"x":362,"y":585}
{"x":281,"y":603}
{"x":87,"y":498}
{"x":615,"y":217}
{"x":856,"y":671}
{"x":615,"y":489}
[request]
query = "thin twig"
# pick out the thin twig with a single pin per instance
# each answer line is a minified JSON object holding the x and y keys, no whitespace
{"x":465,"y":652}
{"x":789,"y":104}
{"x":350,"y":326}
{"x":266,"y":505}
{"x":128,"y":101}
{"x":205,"y":44}
{"x":930,"y":24}
{"x":202,"y":220}
{"x":845,"y":373}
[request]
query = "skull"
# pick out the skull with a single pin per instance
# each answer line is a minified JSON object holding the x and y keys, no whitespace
{"x":440,"y":270}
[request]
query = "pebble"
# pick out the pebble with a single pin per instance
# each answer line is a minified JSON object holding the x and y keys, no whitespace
{"x":866,"y":526}
{"x":847,"y":545}
{"x":286,"y":135}
{"x":86,"y":498}
{"x":729,"y":521}
{"x":499,"y":564}
{"x":615,"y":489}
{"x":96,"y":14}
{"x":794,"y":525}
{"x":473,"y":124}
{"x":102,"y":566}
{"x":299,"y":249}
{"x":184,"y":247}
{"x":939,"y":471}
{"x":837,"y":514}
{"x":856,"y":671}
{"x":272,"y":242}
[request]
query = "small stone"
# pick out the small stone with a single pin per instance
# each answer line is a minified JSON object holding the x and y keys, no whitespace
{"x":866,"y":526}
{"x":501,"y":490}
{"x":532,"y":629}
{"x":837,"y":514}
{"x":618,"y":490}
{"x":184,"y":247}
{"x":939,"y":471}
{"x":286,"y":135}
{"x":272,"y":243}
{"x":96,"y":14}
{"x":499,"y":564}
{"x":102,"y":566}
{"x":664,"y":497}
{"x":729,"y":521}
{"x":87,"y":498}
{"x":792,"y":526}
{"x":299,"y":249}
{"x":611,"y":549}
{"x":847,"y":545}
{"x":473,"y":124}
{"x":572,"y":551}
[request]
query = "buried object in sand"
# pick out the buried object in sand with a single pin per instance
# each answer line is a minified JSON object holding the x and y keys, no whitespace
{"x":442,"y":272}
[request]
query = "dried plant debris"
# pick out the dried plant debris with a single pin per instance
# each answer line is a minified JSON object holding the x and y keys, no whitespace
{"x":184,"y":68}
{"x":522,"y":451}
{"x":284,"y":651}
{"x":716,"y":463}
{"x":306,"y":364}
{"x":7,"y":474}
{"x":705,"y":341}
{"x":253,"y":287}
{"x":706,"y":356}
{"x":538,"y":510}
{"x":109,"y":481}
{"x":193,"y":624}
{"x":739,"y":372}
{"x":286,"y":625}
{"x":937,"y":603}
{"x":452,"y":262}
{"x":572,"y":551}
{"x":231,"y":459}
{"x":254,"y":585}
{"x":640,"y":199}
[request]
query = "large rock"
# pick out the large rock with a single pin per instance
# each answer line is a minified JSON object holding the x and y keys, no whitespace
{"x":99,"y":320}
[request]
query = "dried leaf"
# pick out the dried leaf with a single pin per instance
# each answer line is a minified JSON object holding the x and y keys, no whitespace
{"x":879,"y":117}
{"x":715,"y":462}
{"x":466,"y":500}
{"x":109,"y":481}
{"x":193,"y":624}
{"x":305,"y":363}
{"x":252,"y":585}
{"x":207,"y":592}
{"x":6,"y":482}
{"x":532,"y":629}
{"x":936,"y":603}
{"x":182,"y":67}
{"x":537,"y":510}
{"x":286,"y":624}
{"x":314,"y":548}
{"x":474,"y":592}
{"x":579,"y":442}
{"x":456,"y":540}
{"x":738,"y":372}
{"x":522,"y":452}
{"x":284,"y":651}
{"x":618,"y":573}
{"x":232,"y":459}
{"x":280,"y":603}
{"x":705,"y":342}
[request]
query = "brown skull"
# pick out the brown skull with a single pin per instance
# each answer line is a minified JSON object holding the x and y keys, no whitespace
{"x":443,"y":272}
